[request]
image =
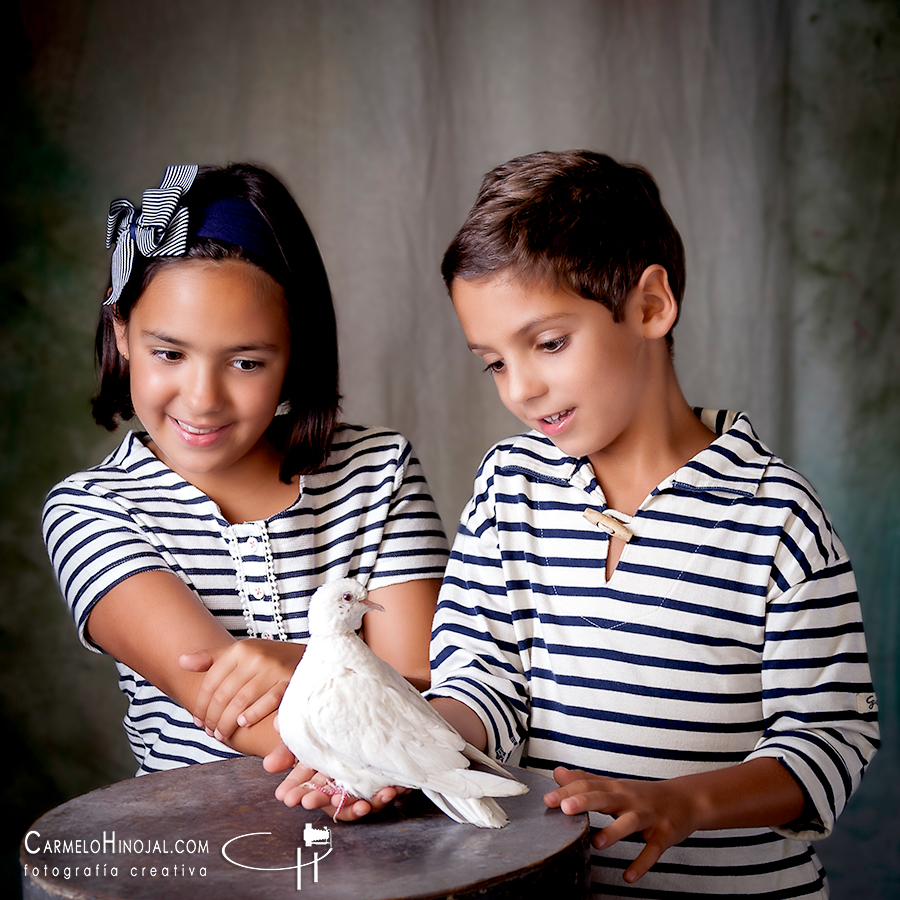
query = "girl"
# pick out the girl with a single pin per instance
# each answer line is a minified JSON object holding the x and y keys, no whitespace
{"x":190,"y":553}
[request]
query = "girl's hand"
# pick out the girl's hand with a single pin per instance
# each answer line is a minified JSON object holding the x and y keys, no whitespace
{"x":296,"y":790}
{"x":244,"y":682}
{"x":660,"y":811}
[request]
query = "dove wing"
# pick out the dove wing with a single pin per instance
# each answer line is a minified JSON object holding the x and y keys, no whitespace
{"x":383,"y":727}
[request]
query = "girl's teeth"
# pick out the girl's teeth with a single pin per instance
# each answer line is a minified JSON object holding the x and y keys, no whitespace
{"x":190,"y":429}
{"x":552,"y":420}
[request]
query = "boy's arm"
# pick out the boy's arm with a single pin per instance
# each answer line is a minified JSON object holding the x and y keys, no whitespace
{"x":465,"y":720}
{"x":820,"y":734}
{"x":758,"y":793}
{"x":475,"y":661}
{"x":821,"y":722}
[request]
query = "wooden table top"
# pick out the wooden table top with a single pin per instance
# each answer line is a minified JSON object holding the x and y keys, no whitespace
{"x":216,"y":830}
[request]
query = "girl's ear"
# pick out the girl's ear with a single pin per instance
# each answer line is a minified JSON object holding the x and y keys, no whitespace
{"x":656,"y":302}
{"x":120,"y":326}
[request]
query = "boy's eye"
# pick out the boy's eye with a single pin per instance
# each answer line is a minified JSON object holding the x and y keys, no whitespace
{"x":554,"y":345}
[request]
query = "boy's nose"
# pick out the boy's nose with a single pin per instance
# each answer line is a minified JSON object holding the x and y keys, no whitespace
{"x":523,"y":384}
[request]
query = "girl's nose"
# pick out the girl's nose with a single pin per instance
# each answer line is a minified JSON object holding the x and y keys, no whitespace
{"x":203,"y":393}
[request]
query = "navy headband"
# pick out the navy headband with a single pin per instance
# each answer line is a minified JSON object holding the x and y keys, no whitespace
{"x":161,"y":227}
{"x":238,"y":222}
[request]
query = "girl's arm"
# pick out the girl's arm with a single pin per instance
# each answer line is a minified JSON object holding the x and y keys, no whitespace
{"x":149,"y":620}
{"x":227,"y":698}
{"x":755,"y":794}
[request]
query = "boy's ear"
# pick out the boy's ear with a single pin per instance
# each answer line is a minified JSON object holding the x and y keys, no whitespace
{"x":656,"y":302}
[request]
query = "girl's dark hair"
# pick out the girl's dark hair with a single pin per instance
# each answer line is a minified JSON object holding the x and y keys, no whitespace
{"x":574,"y":219}
{"x":303,"y":435}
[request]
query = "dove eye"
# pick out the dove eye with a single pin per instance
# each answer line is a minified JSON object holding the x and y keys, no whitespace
{"x":347,"y":596}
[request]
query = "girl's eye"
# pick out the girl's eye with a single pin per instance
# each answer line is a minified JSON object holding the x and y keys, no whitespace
{"x":554,"y":345}
{"x":495,"y":367}
{"x":246,"y":365}
{"x":167,"y":355}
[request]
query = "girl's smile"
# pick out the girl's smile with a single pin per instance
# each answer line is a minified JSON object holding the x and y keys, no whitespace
{"x":208,"y":345}
{"x":197,"y":436}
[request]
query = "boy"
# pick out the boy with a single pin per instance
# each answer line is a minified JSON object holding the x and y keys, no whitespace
{"x":691,"y":668}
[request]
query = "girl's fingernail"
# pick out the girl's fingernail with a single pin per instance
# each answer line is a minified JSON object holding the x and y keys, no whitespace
{"x":198,"y":722}
{"x":242,"y":721}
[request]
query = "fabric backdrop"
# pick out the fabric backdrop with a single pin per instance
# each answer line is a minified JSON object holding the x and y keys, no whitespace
{"x":773,"y":131}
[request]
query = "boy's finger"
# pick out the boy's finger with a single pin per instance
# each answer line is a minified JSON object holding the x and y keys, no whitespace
{"x":626,"y":824}
{"x":646,"y":860}
{"x":563,"y":776}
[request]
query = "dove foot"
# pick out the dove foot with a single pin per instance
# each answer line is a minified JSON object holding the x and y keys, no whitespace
{"x":332,"y":790}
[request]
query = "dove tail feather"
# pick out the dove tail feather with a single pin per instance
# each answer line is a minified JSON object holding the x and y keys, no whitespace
{"x":473,"y":783}
{"x":475,"y":755}
{"x":483,"y":812}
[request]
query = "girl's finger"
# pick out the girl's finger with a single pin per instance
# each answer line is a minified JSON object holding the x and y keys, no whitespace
{"x":257,"y":711}
{"x":246,"y":709}
{"x":279,"y":759}
{"x":196,"y":662}
{"x":206,"y":707}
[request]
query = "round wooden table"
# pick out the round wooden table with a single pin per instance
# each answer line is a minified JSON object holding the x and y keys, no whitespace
{"x":217,"y":831}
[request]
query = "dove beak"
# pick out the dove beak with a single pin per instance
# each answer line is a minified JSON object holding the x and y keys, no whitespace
{"x":372,"y":605}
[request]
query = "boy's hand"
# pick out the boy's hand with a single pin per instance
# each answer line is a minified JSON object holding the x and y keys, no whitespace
{"x":296,"y":790}
{"x":244,"y":682}
{"x":660,"y":811}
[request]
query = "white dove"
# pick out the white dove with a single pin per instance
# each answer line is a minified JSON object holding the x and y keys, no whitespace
{"x":349,"y":715}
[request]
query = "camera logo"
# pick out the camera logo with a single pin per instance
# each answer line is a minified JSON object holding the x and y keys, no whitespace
{"x":313,"y":839}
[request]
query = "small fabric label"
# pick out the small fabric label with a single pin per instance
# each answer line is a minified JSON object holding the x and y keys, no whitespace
{"x":866,"y":703}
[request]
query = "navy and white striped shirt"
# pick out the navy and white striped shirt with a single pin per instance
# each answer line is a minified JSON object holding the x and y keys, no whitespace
{"x":730,"y":629}
{"x":367,"y":515}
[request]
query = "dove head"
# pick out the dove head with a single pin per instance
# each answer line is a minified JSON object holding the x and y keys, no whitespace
{"x":338,"y":607}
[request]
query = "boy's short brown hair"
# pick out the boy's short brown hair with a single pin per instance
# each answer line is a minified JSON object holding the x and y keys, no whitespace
{"x":573,"y":219}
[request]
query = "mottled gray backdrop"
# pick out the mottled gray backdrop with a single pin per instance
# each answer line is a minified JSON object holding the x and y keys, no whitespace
{"x":772,"y":127}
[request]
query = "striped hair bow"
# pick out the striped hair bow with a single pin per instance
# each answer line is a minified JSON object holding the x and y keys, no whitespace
{"x":159,"y":229}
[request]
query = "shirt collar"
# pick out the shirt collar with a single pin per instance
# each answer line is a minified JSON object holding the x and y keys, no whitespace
{"x":732,"y":464}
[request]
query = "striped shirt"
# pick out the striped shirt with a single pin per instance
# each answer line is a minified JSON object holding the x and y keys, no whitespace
{"x":730,"y":629}
{"x":367,"y":515}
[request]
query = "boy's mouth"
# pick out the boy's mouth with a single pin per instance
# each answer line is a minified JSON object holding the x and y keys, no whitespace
{"x":553,"y":424}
